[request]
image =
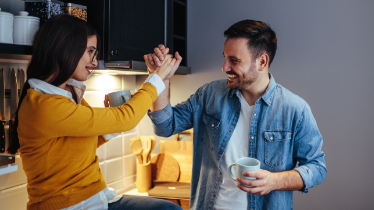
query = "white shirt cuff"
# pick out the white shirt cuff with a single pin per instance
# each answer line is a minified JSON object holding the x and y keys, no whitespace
{"x":110,"y":136}
{"x":156,"y":81}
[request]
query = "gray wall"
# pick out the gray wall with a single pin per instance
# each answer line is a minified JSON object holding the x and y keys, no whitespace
{"x":325,"y":55}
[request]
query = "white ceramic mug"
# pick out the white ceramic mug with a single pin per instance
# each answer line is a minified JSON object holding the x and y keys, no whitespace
{"x":118,"y":98}
{"x":244,"y":164}
{"x":6,"y":27}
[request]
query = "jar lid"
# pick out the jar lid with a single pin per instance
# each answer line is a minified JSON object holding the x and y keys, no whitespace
{"x":24,"y":15}
{"x":5,"y":14}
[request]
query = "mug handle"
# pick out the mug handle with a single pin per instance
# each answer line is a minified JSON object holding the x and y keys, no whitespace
{"x":230,"y":172}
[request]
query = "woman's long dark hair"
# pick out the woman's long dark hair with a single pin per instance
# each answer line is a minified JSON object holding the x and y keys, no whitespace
{"x":57,"y":48}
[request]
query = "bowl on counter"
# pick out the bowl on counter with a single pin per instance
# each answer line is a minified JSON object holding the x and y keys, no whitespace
{"x":6,"y":27}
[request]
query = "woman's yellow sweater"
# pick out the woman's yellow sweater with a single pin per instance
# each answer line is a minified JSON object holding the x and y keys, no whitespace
{"x":58,"y":140}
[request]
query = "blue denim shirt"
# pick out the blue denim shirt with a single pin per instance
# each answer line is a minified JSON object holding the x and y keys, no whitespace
{"x":283,"y":136}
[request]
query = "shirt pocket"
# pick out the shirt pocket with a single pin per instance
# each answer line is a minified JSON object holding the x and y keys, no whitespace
{"x":212,"y":125}
{"x":277,"y":147}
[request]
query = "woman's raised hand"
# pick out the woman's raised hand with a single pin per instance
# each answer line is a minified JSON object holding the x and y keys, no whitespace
{"x":154,"y":60}
{"x":166,"y":67}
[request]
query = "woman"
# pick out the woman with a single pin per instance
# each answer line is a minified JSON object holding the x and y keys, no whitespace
{"x":58,"y":132}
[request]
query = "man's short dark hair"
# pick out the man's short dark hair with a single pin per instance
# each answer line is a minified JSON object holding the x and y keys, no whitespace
{"x":261,"y":37}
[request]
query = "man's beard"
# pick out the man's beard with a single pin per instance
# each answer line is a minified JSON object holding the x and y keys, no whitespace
{"x":242,"y":83}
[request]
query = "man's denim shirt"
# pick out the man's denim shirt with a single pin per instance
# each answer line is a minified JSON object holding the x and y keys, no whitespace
{"x":283,"y":136}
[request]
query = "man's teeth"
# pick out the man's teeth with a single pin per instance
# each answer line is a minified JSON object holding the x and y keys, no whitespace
{"x":232,"y":75}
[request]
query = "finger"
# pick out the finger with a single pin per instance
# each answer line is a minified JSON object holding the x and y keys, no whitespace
{"x":253,"y":190}
{"x":256,"y":174}
{"x":166,"y":51}
{"x":178,"y":56}
{"x":172,"y":62}
{"x":106,"y":101}
{"x":162,"y":48}
{"x":156,"y":60}
{"x":158,"y":53}
{"x":147,"y":62}
{"x":251,"y":182}
{"x":150,"y":59}
{"x":177,"y":62}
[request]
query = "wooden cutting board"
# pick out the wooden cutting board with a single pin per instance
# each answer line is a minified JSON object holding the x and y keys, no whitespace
{"x":165,"y":168}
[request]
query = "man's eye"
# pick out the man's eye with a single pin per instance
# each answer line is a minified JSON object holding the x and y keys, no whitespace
{"x":235,"y":61}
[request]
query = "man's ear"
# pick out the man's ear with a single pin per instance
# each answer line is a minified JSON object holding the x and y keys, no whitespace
{"x":263,"y":61}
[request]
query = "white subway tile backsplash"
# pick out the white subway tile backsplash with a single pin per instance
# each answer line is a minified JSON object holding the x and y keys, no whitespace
{"x":15,"y":178}
{"x":130,"y":180}
{"x":129,"y":165}
{"x":14,"y":198}
{"x":103,"y":168}
{"x":100,"y":152}
{"x":126,"y":143}
{"x":114,"y":169}
{"x":114,"y":148}
{"x":117,"y":185}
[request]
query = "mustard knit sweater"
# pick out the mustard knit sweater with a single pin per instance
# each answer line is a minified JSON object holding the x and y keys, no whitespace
{"x":58,"y":140}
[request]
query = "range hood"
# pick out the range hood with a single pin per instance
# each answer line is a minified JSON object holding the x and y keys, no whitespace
{"x":130,"y":68}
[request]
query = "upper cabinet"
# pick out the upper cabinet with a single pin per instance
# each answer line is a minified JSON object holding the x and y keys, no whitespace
{"x":129,"y":29}
{"x":177,"y":27}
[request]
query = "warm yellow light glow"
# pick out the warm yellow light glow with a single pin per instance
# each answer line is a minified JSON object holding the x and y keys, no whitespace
{"x":105,"y":82}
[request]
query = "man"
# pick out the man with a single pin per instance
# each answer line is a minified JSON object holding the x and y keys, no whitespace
{"x":247,"y":115}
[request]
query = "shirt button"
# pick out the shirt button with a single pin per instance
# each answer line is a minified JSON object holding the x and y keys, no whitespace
{"x":238,"y":109}
{"x":212,"y":125}
{"x":271,"y":138}
{"x":254,"y":114}
{"x":214,"y":195}
{"x":220,"y":173}
{"x":220,"y":152}
{"x":230,"y":131}
{"x":252,"y":137}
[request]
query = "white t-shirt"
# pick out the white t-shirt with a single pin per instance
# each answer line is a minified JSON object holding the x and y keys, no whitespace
{"x":229,"y":195}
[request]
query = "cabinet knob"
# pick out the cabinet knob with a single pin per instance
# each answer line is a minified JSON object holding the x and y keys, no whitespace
{"x":114,"y":52}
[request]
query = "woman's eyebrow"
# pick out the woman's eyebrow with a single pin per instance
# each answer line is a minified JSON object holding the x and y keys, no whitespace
{"x":92,"y":47}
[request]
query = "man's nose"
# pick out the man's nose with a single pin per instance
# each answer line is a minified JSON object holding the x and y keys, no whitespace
{"x":226,"y":66}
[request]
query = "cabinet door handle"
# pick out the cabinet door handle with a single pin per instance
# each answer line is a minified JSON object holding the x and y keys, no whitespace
{"x":114,"y":52}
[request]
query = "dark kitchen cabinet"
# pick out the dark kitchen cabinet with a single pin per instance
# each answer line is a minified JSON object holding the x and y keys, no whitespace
{"x":177,"y":28}
{"x":129,"y":29}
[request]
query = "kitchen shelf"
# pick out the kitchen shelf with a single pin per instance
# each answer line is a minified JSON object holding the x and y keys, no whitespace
{"x":15,"y":49}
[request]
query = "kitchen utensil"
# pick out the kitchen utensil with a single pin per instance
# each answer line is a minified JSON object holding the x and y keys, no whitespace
{"x":6,"y":27}
{"x":165,"y":168}
{"x":153,"y":144}
{"x":244,"y":164}
{"x":137,"y":148}
{"x":147,"y":148}
{"x":13,"y":93}
{"x":21,"y":80}
{"x":2,"y":111}
{"x":25,"y":28}
{"x":182,"y":152}
{"x":13,"y":102}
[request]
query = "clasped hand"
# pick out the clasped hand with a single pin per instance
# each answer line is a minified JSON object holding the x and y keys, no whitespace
{"x":162,"y":63}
